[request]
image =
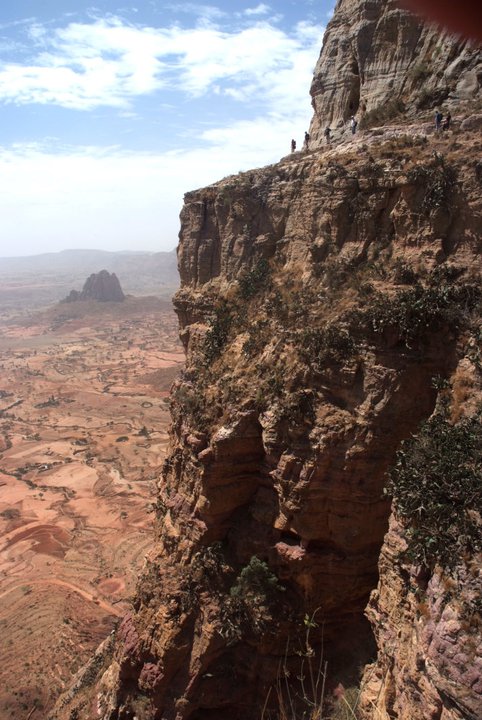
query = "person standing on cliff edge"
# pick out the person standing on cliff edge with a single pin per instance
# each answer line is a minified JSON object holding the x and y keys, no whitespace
{"x":438,"y":121}
{"x":293,"y":145}
{"x":307,"y":141}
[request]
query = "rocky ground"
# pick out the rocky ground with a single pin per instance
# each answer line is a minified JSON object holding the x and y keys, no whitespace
{"x":83,"y":433}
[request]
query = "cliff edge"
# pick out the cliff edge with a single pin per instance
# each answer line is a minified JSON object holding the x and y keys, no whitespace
{"x":330,"y":313}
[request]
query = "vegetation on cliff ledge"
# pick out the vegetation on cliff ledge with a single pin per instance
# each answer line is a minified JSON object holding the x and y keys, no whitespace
{"x":436,"y":486}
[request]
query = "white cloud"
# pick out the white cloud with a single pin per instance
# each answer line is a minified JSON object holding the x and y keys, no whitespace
{"x":205,"y":12}
{"x":113,"y":199}
{"x":110,"y":63}
{"x":260,"y":9}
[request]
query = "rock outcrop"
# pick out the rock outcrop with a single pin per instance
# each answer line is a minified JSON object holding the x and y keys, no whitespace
{"x":102,"y":286}
{"x":379,"y":61}
{"x":327,"y":304}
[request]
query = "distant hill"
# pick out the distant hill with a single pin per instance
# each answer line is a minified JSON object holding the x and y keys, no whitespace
{"x":39,"y":280}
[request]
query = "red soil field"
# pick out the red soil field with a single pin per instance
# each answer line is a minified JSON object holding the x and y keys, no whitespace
{"x":83,"y":434}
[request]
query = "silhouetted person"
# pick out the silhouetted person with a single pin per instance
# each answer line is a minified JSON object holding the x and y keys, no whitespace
{"x":307,"y":141}
{"x":293,"y":145}
{"x":438,"y":120}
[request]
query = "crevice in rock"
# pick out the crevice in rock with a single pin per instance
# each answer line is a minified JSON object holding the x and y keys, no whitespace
{"x":353,"y":98}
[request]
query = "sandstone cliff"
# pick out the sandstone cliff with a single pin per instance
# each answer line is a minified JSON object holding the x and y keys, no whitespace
{"x":102,"y":286}
{"x":320,"y":297}
{"x":329,"y":304}
{"x":379,"y":62}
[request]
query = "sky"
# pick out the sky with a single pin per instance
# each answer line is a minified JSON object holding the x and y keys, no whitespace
{"x":110,"y":112}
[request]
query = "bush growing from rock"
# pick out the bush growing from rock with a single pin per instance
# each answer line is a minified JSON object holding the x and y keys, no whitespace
{"x":253,"y":281}
{"x":436,"y":485}
{"x":439,"y":182}
{"x":218,"y":333}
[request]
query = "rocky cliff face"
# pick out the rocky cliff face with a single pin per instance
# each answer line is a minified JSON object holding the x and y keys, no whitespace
{"x":329,"y":305}
{"x":427,"y":628}
{"x":102,"y":286}
{"x":378,"y":62}
{"x":320,"y":298}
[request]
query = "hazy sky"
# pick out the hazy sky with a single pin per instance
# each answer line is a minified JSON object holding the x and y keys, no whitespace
{"x":110,"y":112}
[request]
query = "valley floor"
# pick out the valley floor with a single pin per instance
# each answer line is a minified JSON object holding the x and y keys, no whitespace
{"x":83,"y":434}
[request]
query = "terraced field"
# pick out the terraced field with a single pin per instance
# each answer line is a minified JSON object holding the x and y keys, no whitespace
{"x":83,"y":434}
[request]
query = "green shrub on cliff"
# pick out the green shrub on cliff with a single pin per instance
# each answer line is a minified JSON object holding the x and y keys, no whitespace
{"x":439,"y":182}
{"x":217,"y":335}
{"x":254,"y":280}
{"x":248,"y":608}
{"x":436,"y":486}
{"x":382,"y":114}
{"x":322,"y":346}
{"x":255,"y":582}
{"x":258,"y":338}
{"x":421,"y":310}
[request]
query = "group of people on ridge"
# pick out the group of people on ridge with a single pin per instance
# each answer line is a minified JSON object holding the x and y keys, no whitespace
{"x":441,"y":123}
{"x":326,"y":133}
{"x":305,"y":144}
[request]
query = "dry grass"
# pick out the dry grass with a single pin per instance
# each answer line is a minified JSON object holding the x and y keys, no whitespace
{"x":301,"y":692}
{"x":462,"y":392}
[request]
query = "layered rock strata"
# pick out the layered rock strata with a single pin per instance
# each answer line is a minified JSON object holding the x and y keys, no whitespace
{"x":379,"y":61}
{"x":320,"y":297}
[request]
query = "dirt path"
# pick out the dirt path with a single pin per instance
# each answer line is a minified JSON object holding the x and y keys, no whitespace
{"x":62,"y":583}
